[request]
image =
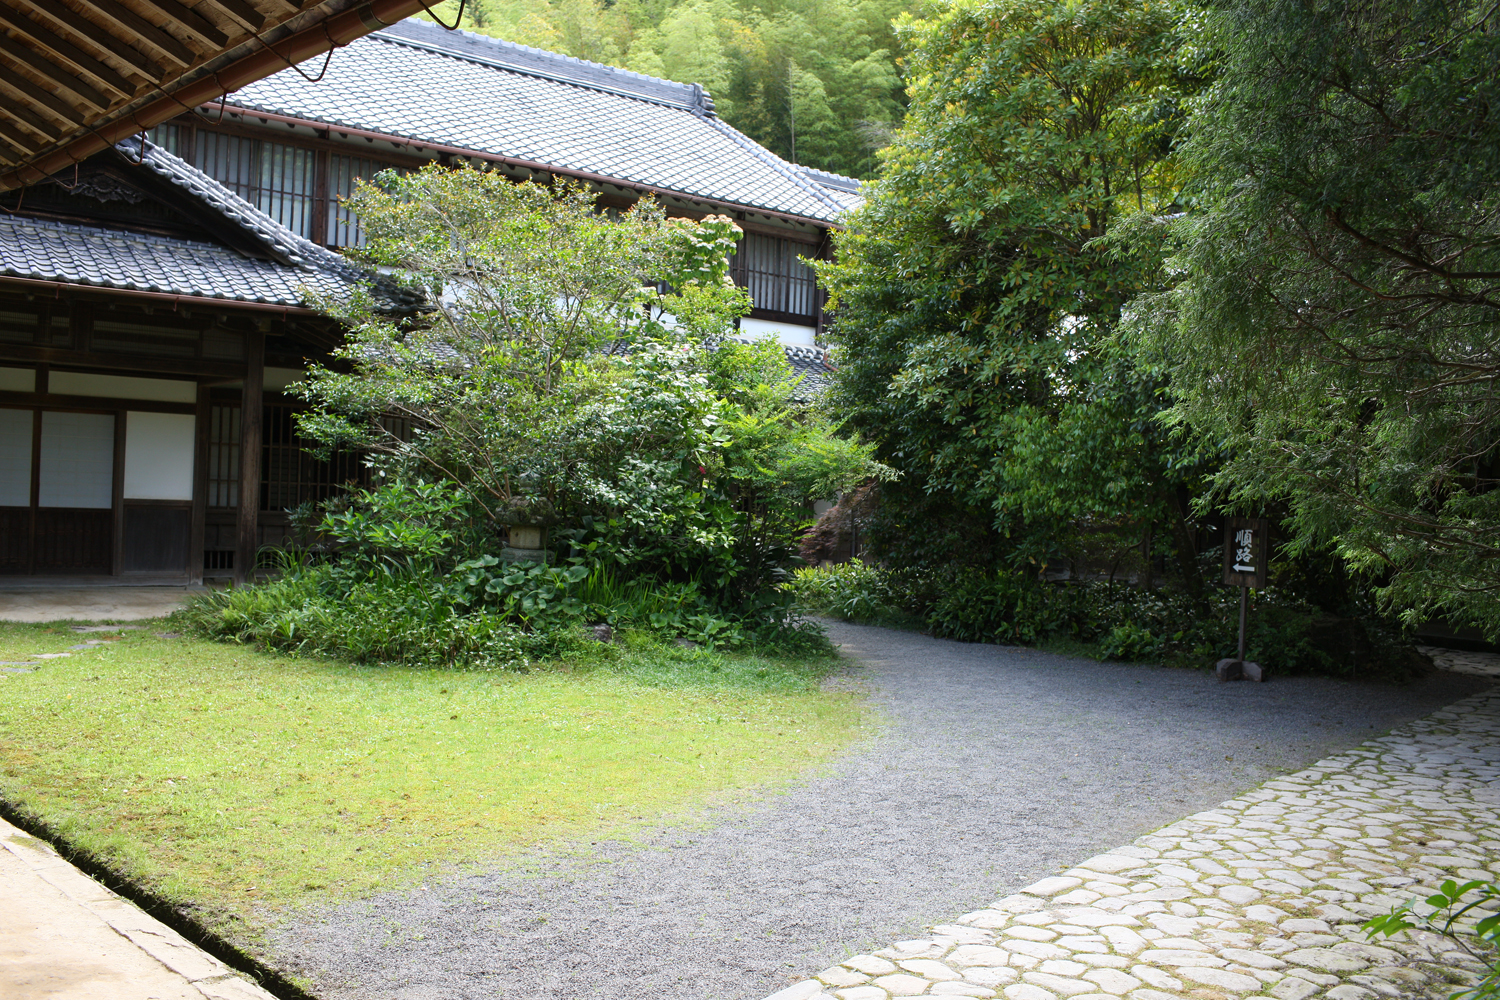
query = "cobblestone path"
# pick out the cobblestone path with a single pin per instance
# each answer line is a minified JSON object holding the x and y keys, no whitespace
{"x":1260,"y":897}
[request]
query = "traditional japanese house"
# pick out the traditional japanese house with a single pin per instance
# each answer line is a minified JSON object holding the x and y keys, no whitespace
{"x":148,"y":319}
{"x":153,"y":293}
{"x":138,"y":299}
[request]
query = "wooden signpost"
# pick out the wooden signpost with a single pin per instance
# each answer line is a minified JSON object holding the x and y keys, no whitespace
{"x":1246,"y":554}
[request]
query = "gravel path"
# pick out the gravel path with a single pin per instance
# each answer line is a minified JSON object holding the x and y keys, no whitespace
{"x":997,"y":766}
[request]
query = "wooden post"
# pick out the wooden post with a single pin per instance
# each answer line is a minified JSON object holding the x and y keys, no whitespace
{"x":200,"y":486}
{"x":1244,"y":614}
{"x":247,"y":542}
{"x":1246,"y":557}
{"x":117,"y":495}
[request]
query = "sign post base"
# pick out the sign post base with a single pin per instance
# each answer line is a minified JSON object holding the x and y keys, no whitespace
{"x":1230,"y":669}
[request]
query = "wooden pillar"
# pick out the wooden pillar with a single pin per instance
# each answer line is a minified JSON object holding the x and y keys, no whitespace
{"x":247,"y":542}
{"x":200,"y":486}
{"x":117,"y":494}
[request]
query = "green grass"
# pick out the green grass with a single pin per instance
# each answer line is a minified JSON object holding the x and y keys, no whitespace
{"x":242,"y":782}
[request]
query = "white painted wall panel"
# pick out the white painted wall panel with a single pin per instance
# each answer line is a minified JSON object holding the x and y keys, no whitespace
{"x":161,"y":390}
{"x":159,"y":456}
{"x":18,"y":379}
{"x":787,"y":333}
{"x":15,"y":458}
{"x":78,"y":460}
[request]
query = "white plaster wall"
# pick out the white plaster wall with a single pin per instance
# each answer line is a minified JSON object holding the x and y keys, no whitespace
{"x":18,"y":379}
{"x":159,"y":456}
{"x":161,"y":390}
{"x":277,"y":379}
{"x":77,"y":460}
{"x":786,"y":333}
{"x":15,"y":458}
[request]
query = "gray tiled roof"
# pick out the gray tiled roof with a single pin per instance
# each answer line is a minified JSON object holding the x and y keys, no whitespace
{"x":110,"y":258}
{"x":846,"y":190}
{"x":813,"y":366}
{"x":420,"y":82}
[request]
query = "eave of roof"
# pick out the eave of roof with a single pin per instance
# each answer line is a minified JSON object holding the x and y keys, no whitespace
{"x":62,"y":254}
{"x":191,"y":60}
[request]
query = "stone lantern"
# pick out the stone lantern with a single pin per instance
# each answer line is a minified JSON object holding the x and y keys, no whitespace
{"x":525,"y":543}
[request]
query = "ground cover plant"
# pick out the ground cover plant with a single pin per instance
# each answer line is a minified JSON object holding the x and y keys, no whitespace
{"x":236,"y":783}
{"x":1462,"y":913}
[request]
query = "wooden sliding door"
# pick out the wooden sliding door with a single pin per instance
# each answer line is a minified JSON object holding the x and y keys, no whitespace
{"x":57,"y":475}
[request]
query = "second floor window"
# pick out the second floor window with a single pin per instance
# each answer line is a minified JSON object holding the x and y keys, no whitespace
{"x":279,"y":180}
{"x":777,"y":274}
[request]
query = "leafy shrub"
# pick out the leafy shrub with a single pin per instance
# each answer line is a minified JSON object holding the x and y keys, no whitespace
{"x":1130,"y":642}
{"x":397,"y":619}
{"x":851,"y":591}
{"x":524,"y":591}
{"x":1460,"y":913}
{"x":1121,"y":622}
{"x":999,"y":607}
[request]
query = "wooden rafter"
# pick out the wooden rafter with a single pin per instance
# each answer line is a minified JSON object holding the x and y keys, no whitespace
{"x":90,"y":33}
{"x":122,"y":18}
{"x":242,"y":12}
{"x":79,"y":75}
{"x":54,"y":74}
{"x":27,"y":92}
{"x":20,"y":146}
{"x":190,"y":21}
{"x":30,"y":122}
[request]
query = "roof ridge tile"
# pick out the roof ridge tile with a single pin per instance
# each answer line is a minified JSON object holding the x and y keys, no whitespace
{"x":422,"y":34}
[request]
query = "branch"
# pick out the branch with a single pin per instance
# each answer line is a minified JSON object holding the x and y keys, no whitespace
{"x":1338,"y":223}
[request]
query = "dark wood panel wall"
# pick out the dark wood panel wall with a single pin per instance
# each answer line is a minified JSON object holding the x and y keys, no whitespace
{"x":213,"y":348}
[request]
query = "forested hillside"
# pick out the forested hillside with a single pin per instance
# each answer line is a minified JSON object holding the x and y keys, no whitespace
{"x":814,"y":80}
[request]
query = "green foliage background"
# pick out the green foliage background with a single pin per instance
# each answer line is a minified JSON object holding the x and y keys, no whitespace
{"x":1132,"y":267}
{"x":1335,"y":328}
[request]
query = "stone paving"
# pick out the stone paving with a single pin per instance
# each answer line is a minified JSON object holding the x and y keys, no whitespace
{"x":24,"y":601}
{"x":1261,"y":897}
{"x":63,"y":936}
{"x":1461,"y":661}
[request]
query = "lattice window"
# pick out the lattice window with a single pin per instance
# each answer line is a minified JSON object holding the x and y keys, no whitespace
{"x":18,"y":326}
{"x":777,"y":274}
{"x":278,"y":179}
{"x":172,"y":138}
{"x":289,"y":475}
{"x":224,"y":456}
{"x":343,"y":171}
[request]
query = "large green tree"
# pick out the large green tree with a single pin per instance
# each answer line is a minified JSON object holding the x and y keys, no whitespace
{"x":1337,"y":327}
{"x":978,"y":302}
{"x":553,"y":382}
